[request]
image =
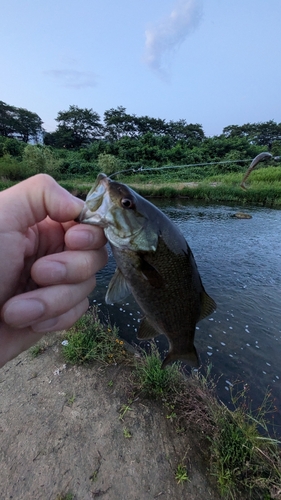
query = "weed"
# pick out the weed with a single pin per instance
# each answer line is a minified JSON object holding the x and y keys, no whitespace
{"x":123,"y":410}
{"x":94,"y":476}
{"x":66,"y":496}
{"x":126,"y":433}
{"x":154,"y":381}
{"x":110,"y":383}
{"x":37,"y":349}
{"x":181,"y":474}
{"x":172,"y":415}
{"x":90,"y":340}
{"x":243,"y":460}
{"x":71,"y":399}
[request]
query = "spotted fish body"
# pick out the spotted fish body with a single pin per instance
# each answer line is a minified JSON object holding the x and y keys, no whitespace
{"x":154,"y":263}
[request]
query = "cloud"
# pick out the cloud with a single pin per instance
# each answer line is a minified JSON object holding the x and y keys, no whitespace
{"x":73,"y":78}
{"x":169,"y":33}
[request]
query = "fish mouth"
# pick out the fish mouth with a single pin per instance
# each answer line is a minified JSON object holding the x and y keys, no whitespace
{"x":97,"y":203}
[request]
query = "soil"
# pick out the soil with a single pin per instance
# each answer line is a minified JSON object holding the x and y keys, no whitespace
{"x":62,"y":436}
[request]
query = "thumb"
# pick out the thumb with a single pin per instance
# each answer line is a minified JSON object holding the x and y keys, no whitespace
{"x":30,"y":201}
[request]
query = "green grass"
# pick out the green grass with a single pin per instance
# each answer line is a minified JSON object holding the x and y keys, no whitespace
{"x":37,"y":349}
{"x":263,"y":185}
{"x":181,"y":474}
{"x":65,"y":496}
{"x":244,"y":457}
{"x":90,"y":340}
{"x":152,"y":380}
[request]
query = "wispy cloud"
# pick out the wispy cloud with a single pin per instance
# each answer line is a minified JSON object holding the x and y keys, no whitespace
{"x":169,"y":33}
{"x":73,"y":78}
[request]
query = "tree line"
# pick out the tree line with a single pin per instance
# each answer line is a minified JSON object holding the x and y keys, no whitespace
{"x":83,"y":142}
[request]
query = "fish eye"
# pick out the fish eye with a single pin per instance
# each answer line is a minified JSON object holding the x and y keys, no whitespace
{"x":127,"y":203}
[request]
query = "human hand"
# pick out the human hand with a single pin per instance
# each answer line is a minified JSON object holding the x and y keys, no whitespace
{"x":47,"y":262}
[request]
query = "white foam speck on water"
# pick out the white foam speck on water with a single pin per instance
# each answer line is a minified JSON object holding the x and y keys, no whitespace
{"x":209,"y":353}
{"x":276,"y":376}
{"x":211,"y":319}
{"x":257,"y":346}
{"x":268,"y":364}
{"x":230,"y":327}
{"x":120,"y":309}
{"x":210,"y":335}
{"x":222,"y":343}
{"x":264,"y":372}
{"x":226,"y":388}
{"x":197,"y":327}
{"x":229,"y":383}
{"x":209,"y":347}
{"x":246,"y":330}
{"x":248,"y":345}
{"x":231,"y":356}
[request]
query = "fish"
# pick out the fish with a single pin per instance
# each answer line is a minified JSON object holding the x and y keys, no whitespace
{"x":255,"y":161}
{"x":154,"y":263}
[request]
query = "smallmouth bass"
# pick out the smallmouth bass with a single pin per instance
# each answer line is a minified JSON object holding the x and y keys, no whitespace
{"x":154,"y":263}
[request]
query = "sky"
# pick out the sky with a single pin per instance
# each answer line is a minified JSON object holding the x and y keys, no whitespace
{"x":212,"y":62}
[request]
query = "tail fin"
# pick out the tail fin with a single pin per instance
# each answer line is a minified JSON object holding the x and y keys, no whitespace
{"x":191,"y":357}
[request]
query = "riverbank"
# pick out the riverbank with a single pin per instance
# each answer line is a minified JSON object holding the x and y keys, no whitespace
{"x":263,"y":187}
{"x":66,"y":435}
{"x":127,"y":429}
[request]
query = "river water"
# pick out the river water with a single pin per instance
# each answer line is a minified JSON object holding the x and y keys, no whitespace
{"x":239,"y":261}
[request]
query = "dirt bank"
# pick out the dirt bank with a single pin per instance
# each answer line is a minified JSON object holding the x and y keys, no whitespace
{"x":61,"y":433}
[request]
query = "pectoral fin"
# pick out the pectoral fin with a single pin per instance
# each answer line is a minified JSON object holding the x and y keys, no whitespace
{"x":118,"y":289}
{"x":146,"y":330}
{"x":208,"y":305}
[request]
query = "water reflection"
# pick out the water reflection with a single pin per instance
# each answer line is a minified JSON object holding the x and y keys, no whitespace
{"x":239,"y":262}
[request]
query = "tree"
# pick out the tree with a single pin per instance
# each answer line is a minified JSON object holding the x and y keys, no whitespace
{"x":182,"y":131}
{"x":76,"y":127}
{"x":19,"y":123}
{"x":260,"y":134}
{"x":28,"y":125}
{"x":6,"y":119}
{"x":119,"y":124}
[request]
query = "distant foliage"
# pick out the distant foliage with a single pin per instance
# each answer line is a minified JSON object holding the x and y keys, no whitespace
{"x":108,"y":163}
{"x":83,"y":145}
{"x":40,"y":159}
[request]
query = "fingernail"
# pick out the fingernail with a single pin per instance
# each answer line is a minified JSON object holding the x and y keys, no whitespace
{"x":81,"y":239}
{"x":45,"y":326}
{"x":21,"y":313}
{"x":54,"y":272}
